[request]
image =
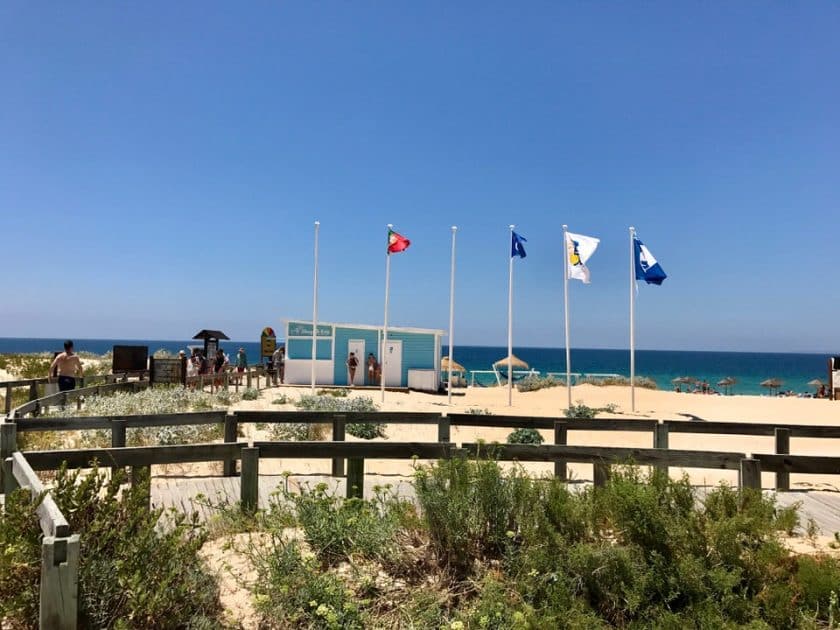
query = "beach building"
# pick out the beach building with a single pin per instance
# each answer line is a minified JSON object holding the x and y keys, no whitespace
{"x":412,"y":355}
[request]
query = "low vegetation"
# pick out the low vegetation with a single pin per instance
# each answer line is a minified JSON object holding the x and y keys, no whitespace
{"x":490,"y":549}
{"x":525,"y":436}
{"x":581,"y":410}
{"x":151,"y":400}
{"x":603,"y":381}
{"x":118,"y":585}
{"x":534,"y":382}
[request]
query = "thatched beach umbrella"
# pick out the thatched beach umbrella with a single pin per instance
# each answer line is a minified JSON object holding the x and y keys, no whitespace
{"x":515,"y":362}
{"x":771,"y":384}
{"x":456,"y":367}
{"x":726,"y":383}
{"x":816,"y":383}
{"x":684,"y":380}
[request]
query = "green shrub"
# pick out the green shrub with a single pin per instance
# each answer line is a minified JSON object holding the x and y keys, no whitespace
{"x":534,"y":382}
{"x":299,"y":431}
{"x":336,"y":527}
{"x":119,"y":535}
{"x":291,"y":592}
{"x":580,"y":410}
{"x":281,"y":400}
{"x":250,"y":394}
{"x":334,"y":392}
{"x":525,"y":436}
{"x":603,"y":381}
{"x":362,"y":404}
{"x":366,"y":430}
{"x":474,"y":411}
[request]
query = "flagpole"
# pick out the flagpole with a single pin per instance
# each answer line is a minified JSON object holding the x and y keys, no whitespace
{"x":566,"y":314}
{"x":385,"y":322}
{"x":451,"y":316}
{"x":632,"y":320}
{"x":510,"y":319}
{"x":315,"y":310}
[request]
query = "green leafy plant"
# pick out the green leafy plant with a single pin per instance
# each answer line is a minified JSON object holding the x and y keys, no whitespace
{"x":118,"y":535}
{"x":250,"y":394}
{"x":299,"y":431}
{"x":361,"y":404}
{"x":281,"y":400}
{"x":474,"y":411}
{"x":334,"y":392}
{"x":366,"y":430}
{"x":525,"y":436}
{"x":534,"y":382}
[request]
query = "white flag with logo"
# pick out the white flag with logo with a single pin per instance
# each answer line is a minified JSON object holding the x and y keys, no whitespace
{"x":578,"y":250}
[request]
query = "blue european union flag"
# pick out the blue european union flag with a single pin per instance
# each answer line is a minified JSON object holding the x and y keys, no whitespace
{"x":647,"y":268}
{"x":516,"y":246}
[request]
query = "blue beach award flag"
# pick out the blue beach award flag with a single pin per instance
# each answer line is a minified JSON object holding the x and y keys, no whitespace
{"x":647,"y":268}
{"x":516,"y":246}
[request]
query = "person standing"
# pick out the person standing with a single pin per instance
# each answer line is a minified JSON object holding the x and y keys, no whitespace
{"x":371,"y":369}
{"x":276,"y":360}
{"x":352,"y":364}
{"x":241,"y":363}
{"x":67,"y":366}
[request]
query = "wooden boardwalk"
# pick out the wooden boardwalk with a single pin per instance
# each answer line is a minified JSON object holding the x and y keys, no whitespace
{"x":198,"y":494}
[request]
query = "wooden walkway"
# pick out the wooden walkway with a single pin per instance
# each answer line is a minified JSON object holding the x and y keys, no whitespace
{"x":199,"y":494}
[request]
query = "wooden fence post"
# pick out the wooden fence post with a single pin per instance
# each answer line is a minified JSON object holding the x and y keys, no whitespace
{"x":8,"y":399}
{"x":8,"y":445}
{"x":231,"y":426}
{"x":660,"y":440}
{"x":338,"y":434}
{"x":117,"y":437}
{"x":59,"y":601}
{"x":248,"y":377}
{"x":10,"y":484}
{"x":750,"y":476}
{"x":33,"y":391}
{"x":561,"y":436}
{"x":249,"y":489}
{"x":782,"y":448}
{"x":227,"y":381}
{"x":600,"y":474}
{"x":444,"y":429}
{"x":355,"y":478}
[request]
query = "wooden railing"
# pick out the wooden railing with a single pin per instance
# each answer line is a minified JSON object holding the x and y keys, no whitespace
{"x":33,"y":383}
{"x":58,"y":599}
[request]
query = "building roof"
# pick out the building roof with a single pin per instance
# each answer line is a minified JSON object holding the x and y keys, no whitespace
{"x":210,"y":334}
{"x":423,"y":331}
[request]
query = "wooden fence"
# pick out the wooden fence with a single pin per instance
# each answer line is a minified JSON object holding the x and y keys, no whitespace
{"x":60,"y":549}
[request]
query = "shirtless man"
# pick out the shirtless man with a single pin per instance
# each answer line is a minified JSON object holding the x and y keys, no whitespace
{"x":69,"y":367}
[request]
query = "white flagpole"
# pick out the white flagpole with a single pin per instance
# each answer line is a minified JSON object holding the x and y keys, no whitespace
{"x":632,"y":319}
{"x":315,"y":310}
{"x":566,"y":311}
{"x":451,"y":316}
{"x":510,"y":319}
{"x":385,"y":322}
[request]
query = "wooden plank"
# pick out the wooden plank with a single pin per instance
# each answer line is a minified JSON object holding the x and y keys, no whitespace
{"x":537,"y":422}
{"x":750,"y":428}
{"x":132,"y":456}
{"x":355,"y":478}
{"x":50,"y":517}
{"x":326,"y":417}
{"x":750,"y":476}
{"x":367,"y":450}
{"x":249,"y":481}
{"x":593,"y":454}
{"x":561,"y":435}
{"x":105,"y":422}
{"x":807,"y":464}
{"x":782,"y":448}
{"x":59,"y":584}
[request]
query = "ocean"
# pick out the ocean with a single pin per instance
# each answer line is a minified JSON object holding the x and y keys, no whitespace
{"x":748,"y":368}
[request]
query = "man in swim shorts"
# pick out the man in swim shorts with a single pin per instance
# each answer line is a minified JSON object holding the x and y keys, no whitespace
{"x":69,"y":367}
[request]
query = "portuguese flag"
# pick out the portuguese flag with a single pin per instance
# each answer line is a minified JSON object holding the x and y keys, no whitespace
{"x":397,"y":242}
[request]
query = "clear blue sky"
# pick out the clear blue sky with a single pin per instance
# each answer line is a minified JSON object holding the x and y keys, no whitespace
{"x":162,"y":164}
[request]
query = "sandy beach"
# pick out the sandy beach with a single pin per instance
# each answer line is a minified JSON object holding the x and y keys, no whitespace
{"x":650,"y":404}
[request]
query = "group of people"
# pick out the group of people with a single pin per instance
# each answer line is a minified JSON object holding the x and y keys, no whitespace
{"x":277,"y":366}
{"x":199,"y":365}
{"x":374,"y":370}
